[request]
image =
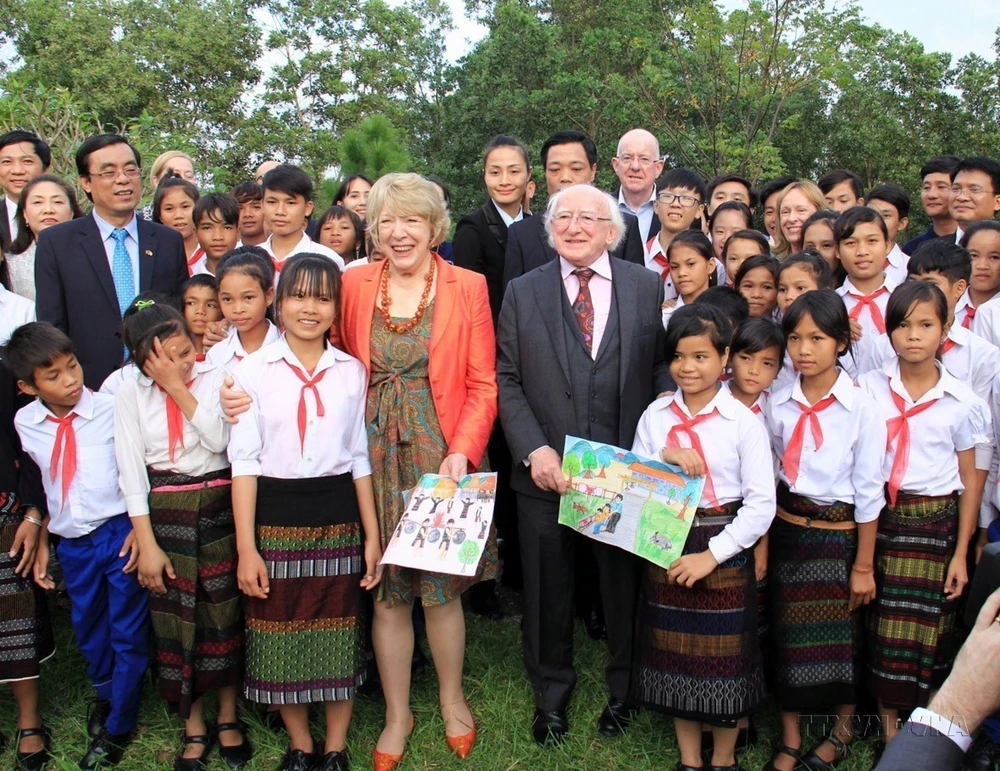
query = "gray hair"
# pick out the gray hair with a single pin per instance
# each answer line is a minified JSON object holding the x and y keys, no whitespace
{"x":614,"y":214}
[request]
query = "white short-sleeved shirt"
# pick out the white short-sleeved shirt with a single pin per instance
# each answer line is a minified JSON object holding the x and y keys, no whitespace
{"x":266,"y":441}
{"x":228,"y":353}
{"x":655,"y":248}
{"x":853,"y":363}
{"x":896,"y":265}
{"x":957,"y":420}
{"x":847,"y":466}
{"x":94,"y":495}
{"x":142,"y":439}
{"x":14,"y":311}
{"x":986,"y":322}
{"x":738,"y":458}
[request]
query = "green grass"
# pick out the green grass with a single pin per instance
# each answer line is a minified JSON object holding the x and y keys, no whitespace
{"x":497,"y":689}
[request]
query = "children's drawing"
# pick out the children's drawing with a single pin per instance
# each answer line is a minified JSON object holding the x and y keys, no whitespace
{"x":445,"y":525}
{"x":640,"y":505}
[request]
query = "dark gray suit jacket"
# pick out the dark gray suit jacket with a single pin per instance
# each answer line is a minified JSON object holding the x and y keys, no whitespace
{"x":528,"y":247}
{"x":75,"y":291}
{"x":536,"y":407}
{"x":918,"y":747}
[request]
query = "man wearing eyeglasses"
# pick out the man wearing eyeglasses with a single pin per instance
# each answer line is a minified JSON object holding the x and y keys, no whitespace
{"x":568,"y":158}
{"x":89,"y":270}
{"x":975,"y":192}
{"x":580,"y":353}
{"x":637,"y":165}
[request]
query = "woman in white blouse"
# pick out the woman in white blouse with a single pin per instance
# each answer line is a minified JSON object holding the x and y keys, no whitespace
{"x":46,"y":201}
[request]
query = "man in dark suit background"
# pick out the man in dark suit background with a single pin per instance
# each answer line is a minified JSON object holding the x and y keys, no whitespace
{"x":580,"y":353}
{"x":23,"y":156}
{"x":89,"y":270}
{"x":637,"y":165}
{"x":569,"y":158}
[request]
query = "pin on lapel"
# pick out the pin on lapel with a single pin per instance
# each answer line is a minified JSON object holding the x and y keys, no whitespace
{"x":149,"y":252}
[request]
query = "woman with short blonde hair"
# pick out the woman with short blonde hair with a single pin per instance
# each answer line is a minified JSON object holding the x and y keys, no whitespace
{"x":175,"y":161}
{"x":796,"y":203}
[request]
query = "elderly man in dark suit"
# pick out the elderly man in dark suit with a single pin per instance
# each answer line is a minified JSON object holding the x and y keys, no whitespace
{"x":580,"y":353}
{"x":568,"y":158}
{"x":89,"y":270}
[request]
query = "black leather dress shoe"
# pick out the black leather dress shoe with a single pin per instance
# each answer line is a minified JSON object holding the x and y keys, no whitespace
{"x":297,"y":760}
{"x":105,"y":750}
{"x":239,"y":755}
{"x":334,"y":761}
{"x":549,"y":728}
{"x":594,"y":622}
{"x":615,"y":718}
{"x":33,"y":761}
{"x":99,"y":711}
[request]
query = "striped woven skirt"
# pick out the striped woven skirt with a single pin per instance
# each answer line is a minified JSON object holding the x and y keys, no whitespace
{"x":911,"y":623}
{"x":25,"y":632}
{"x":815,"y":639}
{"x":304,"y":642}
{"x":198,"y":623}
{"x":698,"y":655}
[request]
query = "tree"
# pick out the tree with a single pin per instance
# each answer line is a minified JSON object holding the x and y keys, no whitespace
{"x":571,"y":465}
{"x":468,"y":553}
{"x":589,"y":462}
{"x":373,"y":148}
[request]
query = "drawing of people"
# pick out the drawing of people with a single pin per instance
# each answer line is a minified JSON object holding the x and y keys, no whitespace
{"x":482,"y":532}
{"x":601,"y":518}
{"x":616,"y":512}
{"x":447,"y":532}
{"x":479,"y":513}
{"x":422,"y":533}
{"x":437,"y":502}
{"x":466,"y":505}
{"x":418,"y":498}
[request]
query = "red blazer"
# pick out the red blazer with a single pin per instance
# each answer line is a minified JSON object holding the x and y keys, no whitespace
{"x":462,"y":356}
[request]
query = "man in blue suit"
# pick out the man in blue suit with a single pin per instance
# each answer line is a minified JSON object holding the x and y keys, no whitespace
{"x":89,"y":270}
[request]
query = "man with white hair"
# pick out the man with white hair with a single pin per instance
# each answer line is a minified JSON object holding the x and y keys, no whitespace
{"x":580,"y":353}
{"x":637,"y":165}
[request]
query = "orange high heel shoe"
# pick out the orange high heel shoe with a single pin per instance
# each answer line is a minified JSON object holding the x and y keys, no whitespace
{"x":462,"y":745}
{"x":384,"y":761}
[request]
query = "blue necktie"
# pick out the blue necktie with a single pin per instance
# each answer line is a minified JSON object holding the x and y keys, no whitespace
{"x":121,"y":271}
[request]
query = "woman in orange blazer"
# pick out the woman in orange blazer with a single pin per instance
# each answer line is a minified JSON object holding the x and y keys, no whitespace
{"x":424,"y":332}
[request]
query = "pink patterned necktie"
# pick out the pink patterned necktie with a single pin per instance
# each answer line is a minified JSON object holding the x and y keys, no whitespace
{"x":583,"y":307}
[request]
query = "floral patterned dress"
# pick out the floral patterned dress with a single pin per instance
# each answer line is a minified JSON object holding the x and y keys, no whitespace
{"x":405,"y":442}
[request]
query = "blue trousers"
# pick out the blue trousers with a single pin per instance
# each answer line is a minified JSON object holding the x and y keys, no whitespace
{"x":992,"y":724}
{"x":110,"y":613}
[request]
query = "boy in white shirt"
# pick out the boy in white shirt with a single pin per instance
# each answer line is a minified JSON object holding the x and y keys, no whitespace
{"x":892,"y":202}
{"x":69,"y":432}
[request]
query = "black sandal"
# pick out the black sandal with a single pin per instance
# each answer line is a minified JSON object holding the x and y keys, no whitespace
{"x":33,"y":761}
{"x":193,"y":764}
{"x":784,"y":749}
{"x":841,"y":750}
{"x":239,"y":755}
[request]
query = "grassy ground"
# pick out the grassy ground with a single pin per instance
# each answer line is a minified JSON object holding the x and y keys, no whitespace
{"x":495,"y":684}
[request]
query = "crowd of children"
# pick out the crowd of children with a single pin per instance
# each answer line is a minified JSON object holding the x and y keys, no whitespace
{"x":837,"y":393}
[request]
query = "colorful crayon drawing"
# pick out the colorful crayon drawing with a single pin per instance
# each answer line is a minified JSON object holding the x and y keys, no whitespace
{"x":445,"y":525}
{"x":640,"y":505}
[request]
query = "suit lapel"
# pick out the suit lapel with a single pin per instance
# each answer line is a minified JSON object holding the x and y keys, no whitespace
{"x":624,"y":287}
{"x":147,"y":254}
{"x":547,"y":249}
{"x":93,"y":248}
{"x":444,"y":300}
{"x":549,"y":291}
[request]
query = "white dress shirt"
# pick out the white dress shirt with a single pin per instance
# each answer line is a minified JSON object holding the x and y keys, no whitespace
{"x":228,"y":353}
{"x":94,"y":496}
{"x":131,"y":244}
{"x":986,"y":323}
{"x":600,"y":294}
{"x":141,"y":437}
{"x":896,"y":265}
{"x":14,"y":311}
{"x":958,"y":420}
{"x":305,"y":244}
{"x":847,"y":466}
{"x":507,"y":219}
{"x":738,"y":458}
{"x":668,"y":310}
{"x":654,"y":248}
{"x":953,"y":727}
{"x":644,"y":214}
{"x":113,"y":383}
{"x":854,"y":363}
{"x":15,"y":231}
{"x":266,"y":441}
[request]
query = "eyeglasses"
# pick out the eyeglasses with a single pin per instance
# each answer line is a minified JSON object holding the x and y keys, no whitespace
{"x":109,"y":175}
{"x":586,"y":219}
{"x":644,"y":160}
{"x":973,"y":191}
{"x":687,"y":201}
